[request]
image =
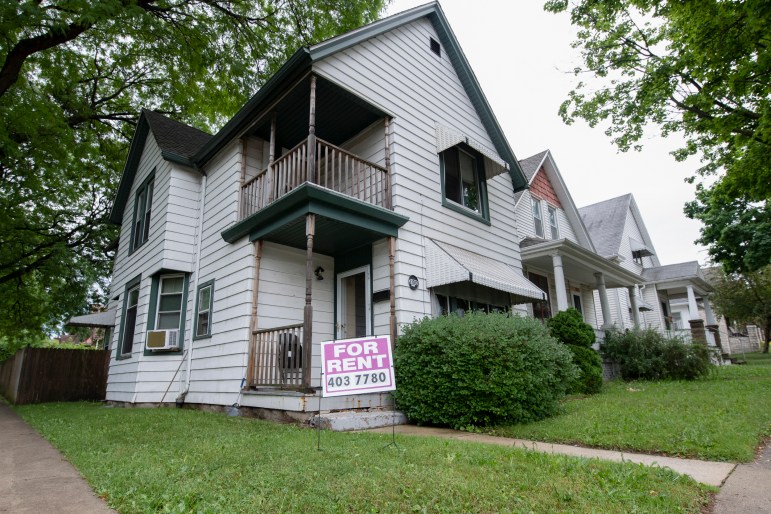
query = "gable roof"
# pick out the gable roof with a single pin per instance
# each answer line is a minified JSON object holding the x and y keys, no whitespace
{"x":531,"y":166}
{"x":605,"y":223}
{"x":174,"y":137}
{"x":178,"y":143}
{"x":302,"y":60}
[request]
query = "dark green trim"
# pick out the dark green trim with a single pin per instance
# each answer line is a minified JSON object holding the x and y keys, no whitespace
{"x":130,"y":170}
{"x":194,"y":324}
{"x":134,"y":282}
{"x":143,"y":185}
{"x":484,"y":216}
{"x":153,"y":305}
{"x":310,"y":198}
{"x":177,"y":159}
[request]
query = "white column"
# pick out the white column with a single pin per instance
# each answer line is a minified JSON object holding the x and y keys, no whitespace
{"x":559,"y":282}
{"x":708,"y":311}
{"x":603,"y":299}
{"x":635,"y":306}
{"x":693,"y":309}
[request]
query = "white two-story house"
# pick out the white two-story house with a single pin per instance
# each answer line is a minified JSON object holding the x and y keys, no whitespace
{"x":367,"y":184}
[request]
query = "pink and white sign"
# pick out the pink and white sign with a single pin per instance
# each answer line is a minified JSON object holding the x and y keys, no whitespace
{"x":355,"y":366}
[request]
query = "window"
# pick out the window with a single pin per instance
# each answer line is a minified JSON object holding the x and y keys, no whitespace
{"x":435,"y":46}
{"x":537,"y":219}
{"x":459,"y":306}
{"x":170,"y":293}
{"x":140,"y":230}
{"x":461,"y":179}
{"x":577,"y":303}
{"x":128,"y":323}
{"x":553,"y":223}
{"x":168,"y":305}
{"x":203,"y":308}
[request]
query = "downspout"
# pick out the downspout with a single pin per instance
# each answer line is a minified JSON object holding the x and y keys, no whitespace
{"x":181,"y":398}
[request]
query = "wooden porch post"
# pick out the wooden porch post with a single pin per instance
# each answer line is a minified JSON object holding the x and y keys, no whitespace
{"x":387,"y":199}
{"x":310,"y":229}
{"x":271,"y":157}
{"x":392,"y":295}
{"x":311,"y":177}
{"x":250,"y":369}
{"x":242,"y":206}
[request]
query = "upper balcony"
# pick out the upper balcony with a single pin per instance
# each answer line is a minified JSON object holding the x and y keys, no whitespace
{"x":316,"y":148}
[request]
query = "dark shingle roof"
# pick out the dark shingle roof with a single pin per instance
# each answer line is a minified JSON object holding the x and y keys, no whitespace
{"x":605,"y":223}
{"x":531,"y":164}
{"x":175,"y":137}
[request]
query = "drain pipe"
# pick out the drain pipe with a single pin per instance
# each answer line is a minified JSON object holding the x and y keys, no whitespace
{"x":181,"y":398}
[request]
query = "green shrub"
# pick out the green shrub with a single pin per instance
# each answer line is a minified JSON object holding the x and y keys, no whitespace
{"x":569,"y":328}
{"x":480,"y":369}
{"x":649,"y":355}
{"x":589,"y":380}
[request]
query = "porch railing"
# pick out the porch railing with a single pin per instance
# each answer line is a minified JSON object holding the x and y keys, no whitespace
{"x":335,"y":169}
{"x":276,"y":357}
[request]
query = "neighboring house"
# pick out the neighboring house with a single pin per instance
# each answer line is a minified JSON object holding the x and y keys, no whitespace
{"x":619,"y":234}
{"x":365,"y":185}
{"x":557,"y":253}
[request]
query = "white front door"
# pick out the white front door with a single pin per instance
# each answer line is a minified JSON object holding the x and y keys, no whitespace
{"x":354,"y":304}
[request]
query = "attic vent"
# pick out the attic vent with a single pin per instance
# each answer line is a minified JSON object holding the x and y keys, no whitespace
{"x":436,"y":47}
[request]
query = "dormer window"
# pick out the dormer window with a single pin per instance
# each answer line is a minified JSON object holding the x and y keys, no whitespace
{"x":555,"y":234}
{"x":537,"y":217}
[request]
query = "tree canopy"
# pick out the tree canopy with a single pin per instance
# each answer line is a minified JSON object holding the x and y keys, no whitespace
{"x":74,"y":75}
{"x":698,"y":67}
{"x":745,"y":298}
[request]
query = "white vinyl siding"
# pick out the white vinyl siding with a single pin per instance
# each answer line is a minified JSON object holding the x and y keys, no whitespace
{"x":401,"y":75}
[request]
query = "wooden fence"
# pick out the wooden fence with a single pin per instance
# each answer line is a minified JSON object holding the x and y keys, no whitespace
{"x":36,"y":375}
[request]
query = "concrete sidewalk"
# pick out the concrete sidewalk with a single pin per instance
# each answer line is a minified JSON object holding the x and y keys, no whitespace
{"x":710,"y":473}
{"x":35,"y":477}
{"x":748,"y":489}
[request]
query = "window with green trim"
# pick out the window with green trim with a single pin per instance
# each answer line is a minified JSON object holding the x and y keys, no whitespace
{"x":169,"y":303}
{"x":461,"y":178}
{"x":140,"y":229}
{"x":203,"y":309}
{"x":128,"y":322}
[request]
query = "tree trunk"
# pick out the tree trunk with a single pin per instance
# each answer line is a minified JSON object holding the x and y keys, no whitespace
{"x":766,"y":335}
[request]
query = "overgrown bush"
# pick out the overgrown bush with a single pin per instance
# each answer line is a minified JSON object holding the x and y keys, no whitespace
{"x":480,"y":369}
{"x":570,"y":329}
{"x":9,"y":346}
{"x":645,"y":354}
{"x":589,"y":380}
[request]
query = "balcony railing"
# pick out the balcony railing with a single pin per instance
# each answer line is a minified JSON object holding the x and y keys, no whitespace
{"x":276,"y":357}
{"x":335,"y":169}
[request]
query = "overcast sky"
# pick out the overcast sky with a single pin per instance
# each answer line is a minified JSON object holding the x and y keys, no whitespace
{"x":522,"y":58}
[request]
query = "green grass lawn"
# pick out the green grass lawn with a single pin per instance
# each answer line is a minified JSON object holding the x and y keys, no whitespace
{"x":722,"y":417}
{"x":178,"y":460}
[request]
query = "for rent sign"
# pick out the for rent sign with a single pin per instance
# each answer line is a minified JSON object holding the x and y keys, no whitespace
{"x":353,"y":366}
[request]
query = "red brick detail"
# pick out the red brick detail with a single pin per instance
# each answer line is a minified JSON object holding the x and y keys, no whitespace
{"x":541,"y":188}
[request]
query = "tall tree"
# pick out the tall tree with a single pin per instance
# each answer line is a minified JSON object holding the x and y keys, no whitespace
{"x":74,"y":75}
{"x":699,"y":67}
{"x":745,"y":298}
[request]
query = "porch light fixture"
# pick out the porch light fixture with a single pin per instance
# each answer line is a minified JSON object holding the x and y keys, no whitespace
{"x":318,"y":273}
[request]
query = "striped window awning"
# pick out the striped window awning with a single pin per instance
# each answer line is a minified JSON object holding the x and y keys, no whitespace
{"x":447,"y":138}
{"x":447,"y":264}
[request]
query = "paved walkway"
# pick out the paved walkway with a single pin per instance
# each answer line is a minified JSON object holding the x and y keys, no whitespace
{"x":711,"y":473}
{"x":34,"y":477}
{"x":748,"y":489}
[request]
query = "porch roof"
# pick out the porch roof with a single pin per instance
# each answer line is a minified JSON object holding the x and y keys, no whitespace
{"x":676,"y":277}
{"x":95,"y":320}
{"x":342,"y":222}
{"x":449,"y":264}
{"x":578,"y":263}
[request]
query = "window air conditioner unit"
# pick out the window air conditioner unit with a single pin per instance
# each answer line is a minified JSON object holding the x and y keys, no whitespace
{"x":163,"y":339}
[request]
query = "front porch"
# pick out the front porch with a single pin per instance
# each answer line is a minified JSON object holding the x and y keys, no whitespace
{"x":570,"y":270}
